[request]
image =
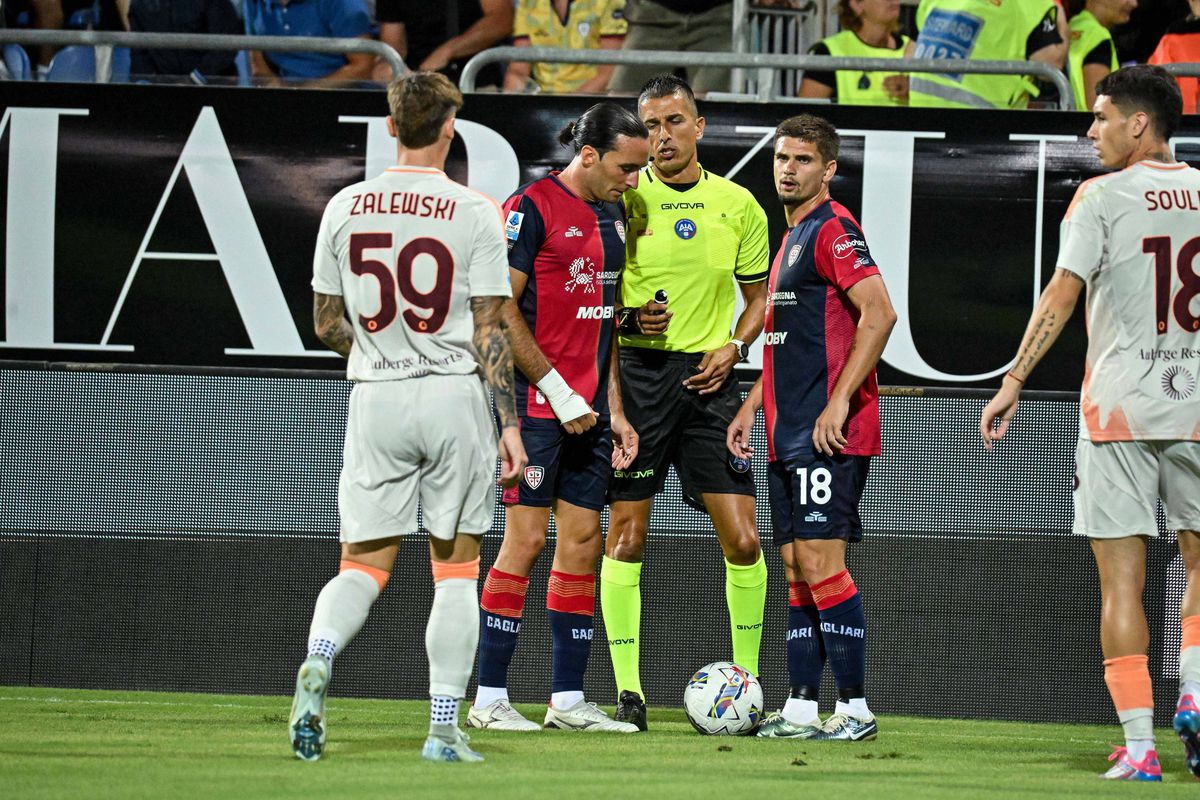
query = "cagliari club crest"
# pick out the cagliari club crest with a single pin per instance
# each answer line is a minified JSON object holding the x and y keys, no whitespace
{"x":533,"y":476}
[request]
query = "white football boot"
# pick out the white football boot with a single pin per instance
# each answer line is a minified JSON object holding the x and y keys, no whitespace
{"x":584,"y":716}
{"x":847,"y":728}
{"x":454,"y":745}
{"x":499,"y":716}
{"x":306,"y":724}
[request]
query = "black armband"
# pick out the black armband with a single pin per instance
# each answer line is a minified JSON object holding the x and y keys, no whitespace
{"x":627,"y":320}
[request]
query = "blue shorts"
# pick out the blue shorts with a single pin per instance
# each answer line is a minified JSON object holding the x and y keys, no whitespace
{"x":817,"y":498}
{"x":571,"y":467}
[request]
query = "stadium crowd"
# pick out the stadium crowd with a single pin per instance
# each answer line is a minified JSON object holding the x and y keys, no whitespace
{"x":1086,"y":39}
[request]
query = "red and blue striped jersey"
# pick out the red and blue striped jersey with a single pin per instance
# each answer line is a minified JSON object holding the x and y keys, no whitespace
{"x":809,"y":329}
{"x":573,"y":252}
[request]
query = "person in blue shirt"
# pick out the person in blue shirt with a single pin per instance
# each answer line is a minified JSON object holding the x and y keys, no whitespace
{"x":332,"y":18}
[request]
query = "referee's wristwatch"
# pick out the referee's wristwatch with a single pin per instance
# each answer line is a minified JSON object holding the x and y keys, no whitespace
{"x":743,"y":349}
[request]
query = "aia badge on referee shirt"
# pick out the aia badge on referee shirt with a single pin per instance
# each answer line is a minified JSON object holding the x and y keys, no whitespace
{"x":533,"y":476}
{"x":685,"y":229}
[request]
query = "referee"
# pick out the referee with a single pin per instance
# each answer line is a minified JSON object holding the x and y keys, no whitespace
{"x":692,"y":235}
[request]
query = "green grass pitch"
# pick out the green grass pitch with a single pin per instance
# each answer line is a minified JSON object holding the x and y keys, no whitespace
{"x":97,"y":744}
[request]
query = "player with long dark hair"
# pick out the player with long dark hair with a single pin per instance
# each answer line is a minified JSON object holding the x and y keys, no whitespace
{"x":566,"y":240}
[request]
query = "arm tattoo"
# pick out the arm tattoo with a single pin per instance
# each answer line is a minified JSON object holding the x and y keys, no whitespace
{"x":329,"y":320}
{"x":1049,"y":318}
{"x":495,"y":355}
{"x":1038,"y":342}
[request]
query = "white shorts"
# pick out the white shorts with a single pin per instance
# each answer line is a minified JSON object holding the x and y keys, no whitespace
{"x":1116,"y":484}
{"x":429,"y":439}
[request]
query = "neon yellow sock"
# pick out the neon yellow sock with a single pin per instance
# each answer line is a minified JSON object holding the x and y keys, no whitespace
{"x":746,"y":595}
{"x":621,"y":606}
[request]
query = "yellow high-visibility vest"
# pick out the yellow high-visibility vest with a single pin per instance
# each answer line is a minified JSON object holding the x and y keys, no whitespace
{"x":977,"y":30}
{"x":855,"y":87}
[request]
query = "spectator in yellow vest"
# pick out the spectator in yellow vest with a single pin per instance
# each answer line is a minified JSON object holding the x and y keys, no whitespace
{"x":1007,"y":30}
{"x":575,"y":25}
{"x":1093,"y":53}
{"x":869,"y":30}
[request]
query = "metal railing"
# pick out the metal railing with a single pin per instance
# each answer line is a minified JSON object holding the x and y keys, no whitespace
{"x":1185,"y":69}
{"x":786,"y":31}
{"x":206,"y":41}
{"x":766,"y":64}
{"x":740,"y":36}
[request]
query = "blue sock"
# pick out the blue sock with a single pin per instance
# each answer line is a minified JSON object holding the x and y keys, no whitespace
{"x":843,"y":629}
{"x":570,"y":601}
{"x":805,"y":647}
{"x":500,"y":610}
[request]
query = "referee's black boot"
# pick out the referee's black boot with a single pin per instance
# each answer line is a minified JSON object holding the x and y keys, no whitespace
{"x":631,"y":708}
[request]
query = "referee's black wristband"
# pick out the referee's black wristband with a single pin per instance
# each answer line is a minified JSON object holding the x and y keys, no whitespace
{"x":627,"y":320}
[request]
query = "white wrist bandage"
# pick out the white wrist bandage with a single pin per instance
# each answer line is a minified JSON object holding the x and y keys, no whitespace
{"x":566,"y":404}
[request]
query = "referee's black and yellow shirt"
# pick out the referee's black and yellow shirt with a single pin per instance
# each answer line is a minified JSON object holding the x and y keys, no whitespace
{"x":694,"y":244}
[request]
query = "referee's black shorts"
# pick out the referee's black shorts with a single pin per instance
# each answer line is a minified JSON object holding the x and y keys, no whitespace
{"x":677,"y":426}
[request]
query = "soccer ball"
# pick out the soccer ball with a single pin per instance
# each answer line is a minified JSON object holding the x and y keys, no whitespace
{"x":723,"y":699}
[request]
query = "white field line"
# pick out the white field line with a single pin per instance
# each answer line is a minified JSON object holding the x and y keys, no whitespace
{"x":96,"y":701}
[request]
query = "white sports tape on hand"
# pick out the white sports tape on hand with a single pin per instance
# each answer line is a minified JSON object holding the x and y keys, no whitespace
{"x":566,"y":404}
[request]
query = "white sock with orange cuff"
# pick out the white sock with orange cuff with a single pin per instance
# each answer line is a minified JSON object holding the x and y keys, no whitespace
{"x":342,"y":607}
{"x":451,"y":638}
